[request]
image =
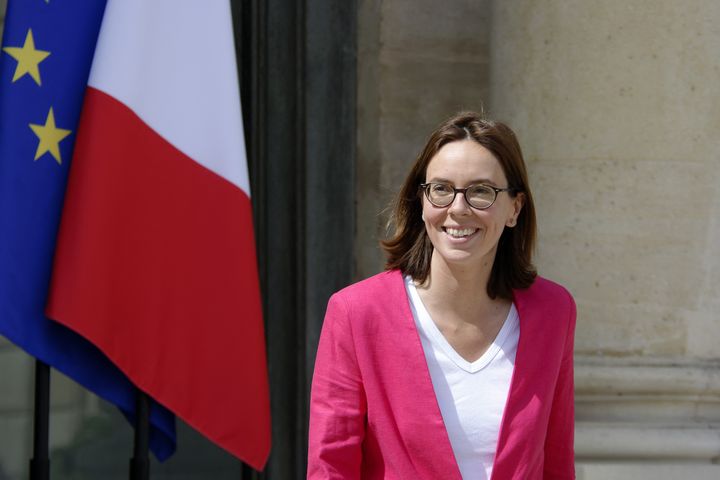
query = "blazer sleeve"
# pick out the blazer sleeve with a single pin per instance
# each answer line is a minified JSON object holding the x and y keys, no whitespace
{"x":337,"y":403}
{"x":559,"y":463}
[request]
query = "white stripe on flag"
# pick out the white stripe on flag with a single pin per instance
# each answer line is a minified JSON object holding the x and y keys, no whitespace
{"x":180,"y":77}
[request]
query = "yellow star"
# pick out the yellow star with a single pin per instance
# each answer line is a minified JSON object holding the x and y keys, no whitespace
{"x":28,"y":58}
{"x":50,"y":137}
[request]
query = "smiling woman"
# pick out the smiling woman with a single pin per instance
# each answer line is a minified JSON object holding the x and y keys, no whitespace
{"x":468,"y":144}
{"x":462,"y":234}
{"x":457,"y":361}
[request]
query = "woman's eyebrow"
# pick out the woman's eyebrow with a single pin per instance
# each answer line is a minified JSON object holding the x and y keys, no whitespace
{"x":438,"y":180}
{"x":472,"y":182}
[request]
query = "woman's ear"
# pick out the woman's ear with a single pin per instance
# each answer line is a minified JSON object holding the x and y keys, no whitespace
{"x":518,"y":203}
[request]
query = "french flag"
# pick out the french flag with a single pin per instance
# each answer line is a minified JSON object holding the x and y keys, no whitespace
{"x":155,"y":260}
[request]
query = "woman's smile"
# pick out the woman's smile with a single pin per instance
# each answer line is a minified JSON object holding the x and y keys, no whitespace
{"x":459,"y":233}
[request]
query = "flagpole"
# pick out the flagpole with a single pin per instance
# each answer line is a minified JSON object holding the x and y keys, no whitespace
{"x":40,"y":463}
{"x":140,"y":462}
{"x":249,"y":473}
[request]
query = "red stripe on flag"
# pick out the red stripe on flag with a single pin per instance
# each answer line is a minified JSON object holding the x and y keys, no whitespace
{"x":156,"y":265}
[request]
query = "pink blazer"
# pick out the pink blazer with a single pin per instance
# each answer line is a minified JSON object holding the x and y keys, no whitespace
{"x":373,"y":410}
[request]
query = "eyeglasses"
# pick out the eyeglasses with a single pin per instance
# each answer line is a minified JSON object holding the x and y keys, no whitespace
{"x":479,"y":196}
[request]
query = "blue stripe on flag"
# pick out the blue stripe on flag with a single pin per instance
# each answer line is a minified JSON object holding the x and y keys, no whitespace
{"x":47,"y":50}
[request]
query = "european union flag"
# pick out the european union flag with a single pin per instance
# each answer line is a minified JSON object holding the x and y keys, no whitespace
{"x":47,"y":51}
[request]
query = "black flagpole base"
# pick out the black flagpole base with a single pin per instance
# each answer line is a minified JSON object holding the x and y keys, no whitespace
{"x":139,"y":469}
{"x":140,"y":461}
{"x":39,"y":469}
{"x":40,"y":463}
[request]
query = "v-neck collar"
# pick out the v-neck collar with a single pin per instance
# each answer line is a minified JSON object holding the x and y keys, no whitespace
{"x":437,"y":338}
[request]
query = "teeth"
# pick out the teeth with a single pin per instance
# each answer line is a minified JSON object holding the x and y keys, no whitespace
{"x":458,"y":232}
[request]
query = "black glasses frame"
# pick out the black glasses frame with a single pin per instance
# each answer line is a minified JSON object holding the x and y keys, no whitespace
{"x":426,"y":188}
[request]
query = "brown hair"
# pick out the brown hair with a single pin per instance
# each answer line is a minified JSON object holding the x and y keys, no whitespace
{"x":410,"y":250}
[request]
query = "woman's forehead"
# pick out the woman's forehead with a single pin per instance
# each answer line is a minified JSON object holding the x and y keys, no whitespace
{"x":464,"y":160}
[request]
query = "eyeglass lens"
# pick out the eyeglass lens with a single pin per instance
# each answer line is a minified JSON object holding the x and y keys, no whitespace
{"x":478,"y":196}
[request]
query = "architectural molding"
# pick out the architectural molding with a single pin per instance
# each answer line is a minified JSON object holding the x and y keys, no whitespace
{"x":663,"y":409}
{"x":645,"y":471}
{"x":647,"y":376}
{"x":645,"y":441}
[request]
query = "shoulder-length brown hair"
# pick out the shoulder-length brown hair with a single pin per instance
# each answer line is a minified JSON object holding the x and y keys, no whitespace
{"x":410,"y":250}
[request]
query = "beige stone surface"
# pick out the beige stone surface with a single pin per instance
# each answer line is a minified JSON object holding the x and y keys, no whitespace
{"x":641,"y":441}
{"x":654,"y":392}
{"x":368,"y":195}
{"x":617,"y":106}
{"x":646,"y":471}
{"x":639,"y":74}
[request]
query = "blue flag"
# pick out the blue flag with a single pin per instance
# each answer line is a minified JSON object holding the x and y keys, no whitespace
{"x":47,"y":51}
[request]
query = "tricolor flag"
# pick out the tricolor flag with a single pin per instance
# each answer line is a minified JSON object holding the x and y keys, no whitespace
{"x":47,"y":49}
{"x":155,"y":260}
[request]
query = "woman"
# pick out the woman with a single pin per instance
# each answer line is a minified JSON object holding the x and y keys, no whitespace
{"x":457,"y":361}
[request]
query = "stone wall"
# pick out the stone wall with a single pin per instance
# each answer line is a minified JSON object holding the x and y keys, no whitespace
{"x":618,"y":108}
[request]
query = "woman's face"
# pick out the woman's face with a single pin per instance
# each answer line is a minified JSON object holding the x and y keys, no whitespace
{"x":460,"y":234}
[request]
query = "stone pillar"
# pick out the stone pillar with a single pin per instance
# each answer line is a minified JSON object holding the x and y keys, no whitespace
{"x":617,"y":107}
{"x":419,"y":61}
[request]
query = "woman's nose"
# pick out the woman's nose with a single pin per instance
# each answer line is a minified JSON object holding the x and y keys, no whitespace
{"x":459,"y":205}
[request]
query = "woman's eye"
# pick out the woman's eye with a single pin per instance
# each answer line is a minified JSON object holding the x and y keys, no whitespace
{"x":441,"y":189}
{"x":480,"y":191}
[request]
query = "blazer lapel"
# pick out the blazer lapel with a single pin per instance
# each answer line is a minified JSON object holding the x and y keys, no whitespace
{"x":419,"y":392}
{"x":519,"y":438}
{"x":501,"y":466}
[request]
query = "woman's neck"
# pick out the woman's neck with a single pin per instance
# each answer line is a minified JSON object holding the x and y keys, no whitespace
{"x":457,"y":286}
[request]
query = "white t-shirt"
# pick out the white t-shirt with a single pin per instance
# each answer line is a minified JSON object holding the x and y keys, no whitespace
{"x":471,"y":396}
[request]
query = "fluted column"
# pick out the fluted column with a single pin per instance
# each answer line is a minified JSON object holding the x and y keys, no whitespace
{"x":617,"y":107}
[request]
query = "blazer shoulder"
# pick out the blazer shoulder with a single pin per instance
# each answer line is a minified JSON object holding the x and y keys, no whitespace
{"x":545,"y":292}
{"x":375,"y":301}
{"x":373,"y":289}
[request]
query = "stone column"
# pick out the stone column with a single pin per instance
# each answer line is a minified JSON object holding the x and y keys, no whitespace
{"x":419,"y":62}
{"x":617,"y":107}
